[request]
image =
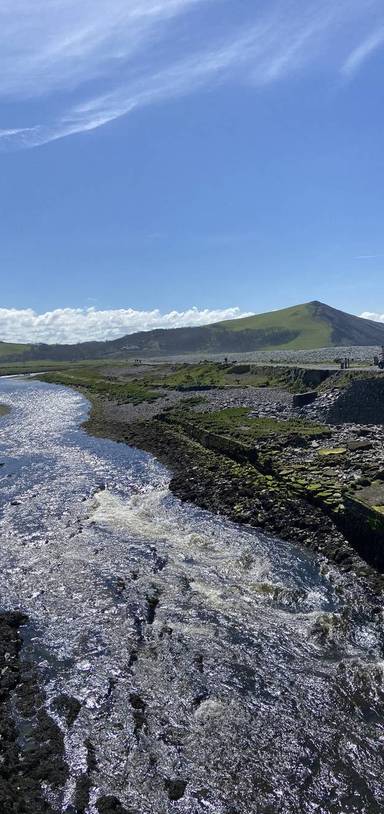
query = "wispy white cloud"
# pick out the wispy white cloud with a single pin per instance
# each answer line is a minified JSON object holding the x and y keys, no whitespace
{"x":363,"y":52}
{"x":70,"y":325}
{"x":59,"y":44}
{"x":89,"y":62}
{"x":369,"y":256}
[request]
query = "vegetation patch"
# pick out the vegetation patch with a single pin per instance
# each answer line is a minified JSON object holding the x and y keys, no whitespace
{"x":90,"y":380}
{"x":12,"y":348}
{"x":324,"y":453}
{"x":235,"y":422}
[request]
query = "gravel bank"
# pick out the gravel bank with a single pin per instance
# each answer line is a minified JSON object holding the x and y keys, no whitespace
{"x":299,"y":357}
{"x":266,"y":401}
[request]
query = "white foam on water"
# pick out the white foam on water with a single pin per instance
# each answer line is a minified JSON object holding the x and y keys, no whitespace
{"x":110,"y":566}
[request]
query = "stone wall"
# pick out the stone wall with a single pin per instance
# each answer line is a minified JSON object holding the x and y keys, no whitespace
{"x":362,"y":402}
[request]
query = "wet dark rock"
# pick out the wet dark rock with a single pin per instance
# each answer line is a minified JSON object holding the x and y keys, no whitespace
{"x":91,"y":755}
{"x":185,"y":583}
{"x":175,"y":788}
{"x":153,"y":600}
{"x":132,"y":659}
{"x":120,"y":585}
{"x":199,"y":662}
{"x":67,"y":706}
{"x":111,"y":805}
{"x":36,"y":756}
{"x":83,"y":785}
{"x":139,"y":707}
{"x":165,"y":631}
{"x":359,"y":446}
{"x":160,"y":563}
{"x":138,"y":625}
{"x":200,"y":698}
{"x":14,"y":619}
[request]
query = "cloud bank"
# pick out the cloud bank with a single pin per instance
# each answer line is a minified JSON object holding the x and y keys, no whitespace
{"x":75,"y":65}
{"x":71,"y":325}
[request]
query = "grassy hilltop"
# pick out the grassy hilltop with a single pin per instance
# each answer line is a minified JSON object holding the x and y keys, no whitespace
{"x":302,"y":327}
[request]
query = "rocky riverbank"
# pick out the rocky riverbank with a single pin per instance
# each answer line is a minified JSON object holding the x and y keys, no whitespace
{"x":271,"y":484}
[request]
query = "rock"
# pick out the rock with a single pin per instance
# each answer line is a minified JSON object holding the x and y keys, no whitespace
{"x":302,"y":399}
{"x":175,"y":788}
{"x":139,"y":708}
{"x":111,"y":805}
{"x":83,"y":785}
{"x":67,"y":706}
{"x":354,"y":446}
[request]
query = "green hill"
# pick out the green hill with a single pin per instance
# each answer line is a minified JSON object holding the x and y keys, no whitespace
{"x":302,"y":327}
{"x":8,"y":349}
{"x":307,"y":326}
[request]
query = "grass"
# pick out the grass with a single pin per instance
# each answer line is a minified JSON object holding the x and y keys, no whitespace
{"x":215,"y":374}
{"x":8,"y":348}
{"x":93,"y":382}
{"x":309,"y":331}
{"x":15,"y":368}
{"x":187,"y":376}
{"x":211,"y":374}
{"x":234,"y":422}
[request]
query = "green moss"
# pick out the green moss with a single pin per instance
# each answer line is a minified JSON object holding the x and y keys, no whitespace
{"x":232,"y":421}
{"x":334,"y":451}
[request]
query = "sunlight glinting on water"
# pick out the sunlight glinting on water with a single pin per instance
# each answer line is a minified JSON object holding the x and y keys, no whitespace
{"x":260,"y":678}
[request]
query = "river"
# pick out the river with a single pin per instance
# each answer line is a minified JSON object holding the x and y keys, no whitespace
{"x":214,"y":664}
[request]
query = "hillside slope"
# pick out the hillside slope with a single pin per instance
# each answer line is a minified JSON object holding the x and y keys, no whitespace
{"x":302,"y":327}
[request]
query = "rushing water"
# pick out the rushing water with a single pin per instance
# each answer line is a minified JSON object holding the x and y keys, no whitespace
{"x":200,"y":651}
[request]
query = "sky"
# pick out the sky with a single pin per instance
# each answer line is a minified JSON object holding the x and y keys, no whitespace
{"x":177,"y":162}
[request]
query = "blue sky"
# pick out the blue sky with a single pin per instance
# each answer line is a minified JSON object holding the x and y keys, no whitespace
{"x":171,"y":161}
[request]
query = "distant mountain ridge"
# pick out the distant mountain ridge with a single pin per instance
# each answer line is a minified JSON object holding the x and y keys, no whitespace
{"x":302,"y":327}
